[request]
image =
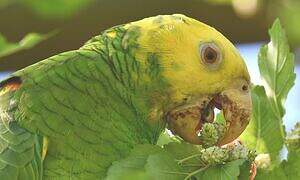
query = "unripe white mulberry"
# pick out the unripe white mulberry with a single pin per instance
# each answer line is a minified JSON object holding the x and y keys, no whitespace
{"x":263,"y":161}
{"x":214,"y":155}
{"x":211,"y":133}
{"x":238,"y":152}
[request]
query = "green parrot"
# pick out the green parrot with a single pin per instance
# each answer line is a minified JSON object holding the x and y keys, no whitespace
{"x":71,"y":115}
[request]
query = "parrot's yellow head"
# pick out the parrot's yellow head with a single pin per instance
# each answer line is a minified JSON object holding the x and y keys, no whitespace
{"x":203,"y":70}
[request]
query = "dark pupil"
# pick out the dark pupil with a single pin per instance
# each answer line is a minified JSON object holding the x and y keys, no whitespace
{"x":210,"y":55}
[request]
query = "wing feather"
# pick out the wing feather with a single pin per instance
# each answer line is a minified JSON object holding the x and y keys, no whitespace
{"x":20,"y":150}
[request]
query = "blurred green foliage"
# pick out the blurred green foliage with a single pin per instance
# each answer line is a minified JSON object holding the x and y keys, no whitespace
{"x":287,"y":10}
{"x":4,"y":3}
{"x":29,"y":41}
{"x":56,"y":8}
{"x":293,"y":138}
{"x":219,"y":1}
{"x":53,"y":9}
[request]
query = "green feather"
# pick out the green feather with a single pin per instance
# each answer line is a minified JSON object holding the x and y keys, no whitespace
{"x":92,"y":104}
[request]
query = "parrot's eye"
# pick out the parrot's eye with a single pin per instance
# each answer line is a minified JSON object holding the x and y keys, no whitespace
{"x":210,"y":54}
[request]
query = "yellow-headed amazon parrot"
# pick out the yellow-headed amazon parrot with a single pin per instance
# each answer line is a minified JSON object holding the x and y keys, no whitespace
{"x":73,"y":114}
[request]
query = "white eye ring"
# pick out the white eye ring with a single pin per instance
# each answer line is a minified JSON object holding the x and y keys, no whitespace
{"x":210,"y":54}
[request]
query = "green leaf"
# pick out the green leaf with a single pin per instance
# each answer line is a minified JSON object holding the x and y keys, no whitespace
{"x":288,"y":169}
{"x":266,"y":132}
{"x":182,"y":151}
{"x":164,"y":166}
{"x":291,"y":167}
{"x":276,"y":65}
{"x":132,"y":167}
{"x":192,"y":165}
{"x":165,"y":138}
{"x":263,"y":132}
{"x":29,"y":41}
{"x":220,"y":118}
{"x":228,"y":171}
{"x":149,"y":162}
{"x":245,"y":171}
{"x":276,"y":173}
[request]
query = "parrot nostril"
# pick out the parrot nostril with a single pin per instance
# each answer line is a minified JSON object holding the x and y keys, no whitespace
{"x":245,"y":88}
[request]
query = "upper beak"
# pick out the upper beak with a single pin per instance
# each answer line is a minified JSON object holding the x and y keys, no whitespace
{"x":236,"y":108}
{"x":235,"y":102}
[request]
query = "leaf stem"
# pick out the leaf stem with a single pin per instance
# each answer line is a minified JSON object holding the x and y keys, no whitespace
{"x":174,"y":172}
{"x":192,"y":165}
{"x":195,"y":172}
{"x":188,"y":158}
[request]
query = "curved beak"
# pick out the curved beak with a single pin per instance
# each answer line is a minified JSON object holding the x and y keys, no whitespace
{"x":236,"y":107}
{"x":234,"y":102}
